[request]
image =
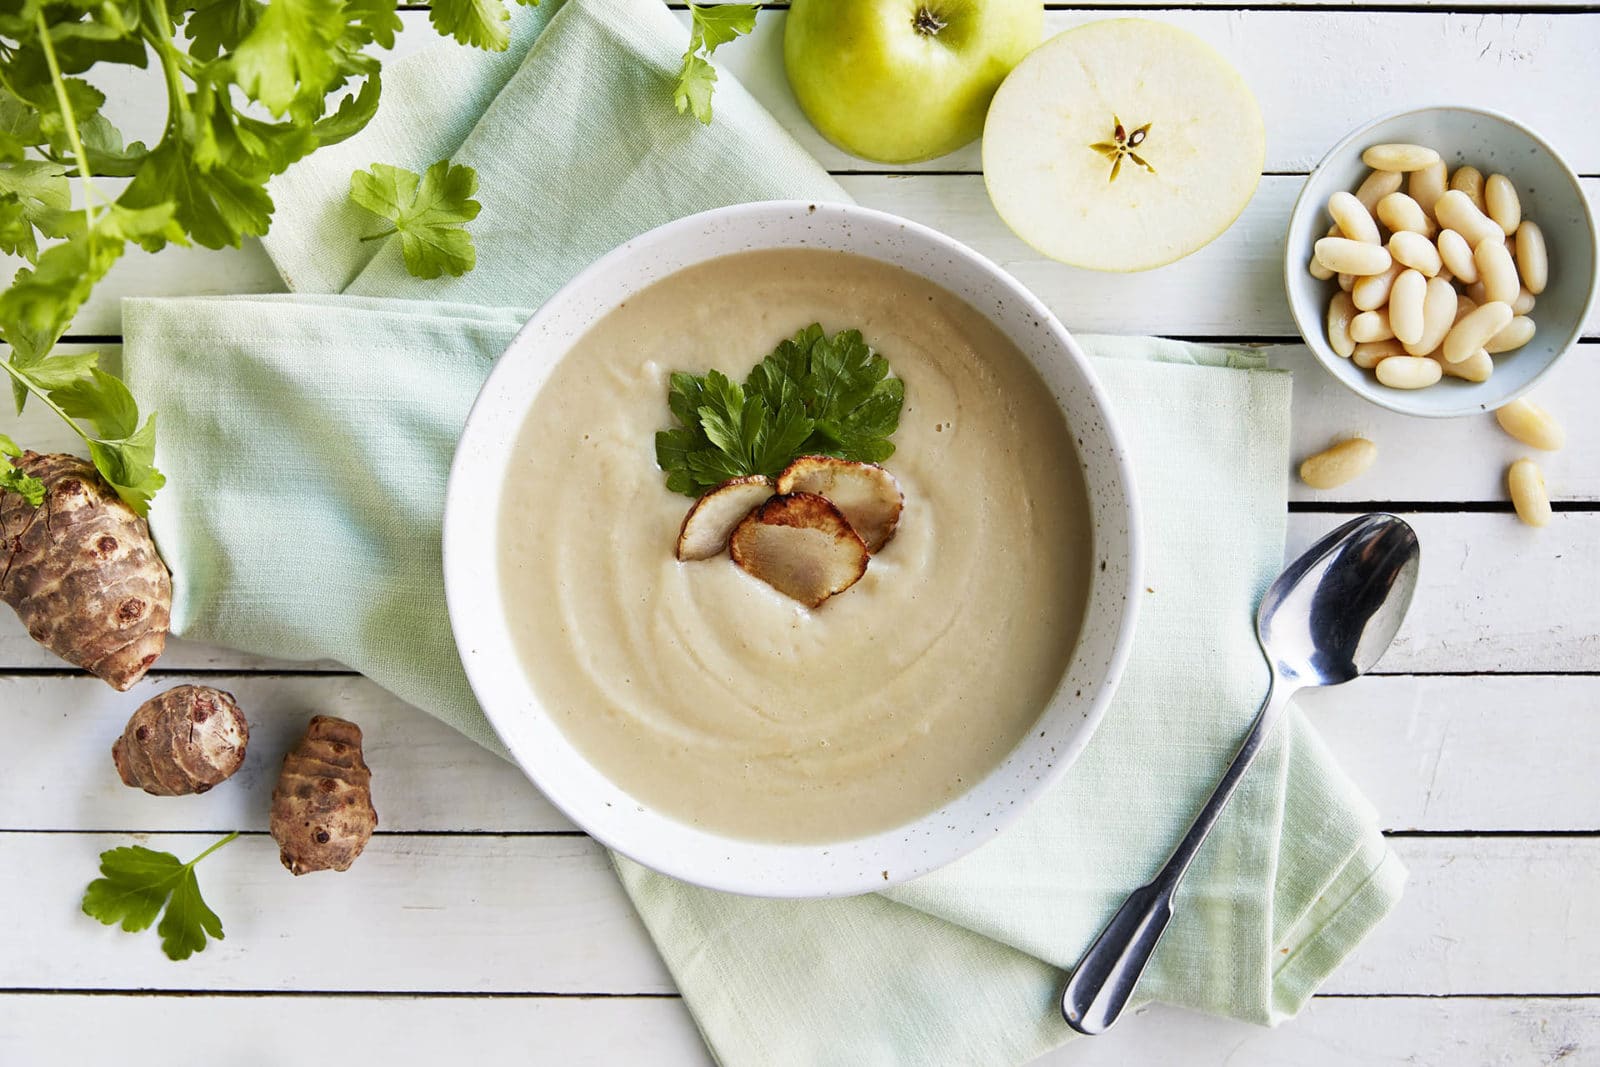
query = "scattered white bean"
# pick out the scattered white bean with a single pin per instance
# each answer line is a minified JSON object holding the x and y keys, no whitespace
{"x":1474,"y":331}
{"x":1533,"y":260}
{"x":1409,"y":372}
{"x":1340,"y":312}
{"x":1371,"y":326}
{"x":1469,"y":180}
{"x":1415,"y":251}
{"x":1405,"y":307}
{"x":1353,"y":218}
{"x":1497,"y":272}
{"x":1399,"y":212}
{"x":1335,"y":466}
{"x":1532,"y":425}
{"x":1438,"y":315}
{"x":1504,"y":206}
{"x":1378,"y":184}
{"x":1352,"y":257}
{"x":1372,"y":292}
{"x":1457,"y":212}
{"x":1528,"y":493}
{"x":1369,"y":354}
{"x":1399,"y":157}
{"x":1518,"y":332}
{"x":1427,"y":185}
{"x":1457,"y":255}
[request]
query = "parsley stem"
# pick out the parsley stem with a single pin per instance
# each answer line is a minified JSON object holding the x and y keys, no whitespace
{"x":67,"y":117}
{"x":44,"y":398}
{"x":380,"y":236}
{"x":212,"y":849}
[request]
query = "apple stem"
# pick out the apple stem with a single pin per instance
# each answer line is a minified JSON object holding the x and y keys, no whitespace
{"x":927,"y":23}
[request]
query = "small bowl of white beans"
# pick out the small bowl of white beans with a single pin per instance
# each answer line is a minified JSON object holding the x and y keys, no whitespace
{"x":1440,"y":261}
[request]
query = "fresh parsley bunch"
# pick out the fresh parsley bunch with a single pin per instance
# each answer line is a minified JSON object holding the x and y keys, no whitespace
{"x":814,"y":395}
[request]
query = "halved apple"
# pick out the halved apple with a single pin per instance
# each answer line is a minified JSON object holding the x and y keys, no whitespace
{"x":1122,"y":145}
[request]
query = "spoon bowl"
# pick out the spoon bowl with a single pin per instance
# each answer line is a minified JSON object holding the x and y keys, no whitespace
{"x":1334,"y":611}
{"x":1327,"y":618}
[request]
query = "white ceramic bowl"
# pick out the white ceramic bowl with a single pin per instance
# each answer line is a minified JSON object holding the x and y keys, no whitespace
{"x":1550,"y":196}
{"x":603,"y":807}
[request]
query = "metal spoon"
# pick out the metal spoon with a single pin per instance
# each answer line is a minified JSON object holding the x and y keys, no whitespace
{"x":1327,"y":619}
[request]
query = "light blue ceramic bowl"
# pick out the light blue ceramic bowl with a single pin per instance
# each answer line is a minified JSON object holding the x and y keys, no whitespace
{"x":1551,"y":196}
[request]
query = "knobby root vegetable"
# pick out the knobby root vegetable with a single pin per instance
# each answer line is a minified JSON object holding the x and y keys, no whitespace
{"x":82,"y":572}
{"x":322,"y":814}
{"x":184,"y":741}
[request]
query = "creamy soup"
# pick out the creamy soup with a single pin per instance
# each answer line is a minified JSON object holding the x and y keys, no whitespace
{"x":709,"y":695}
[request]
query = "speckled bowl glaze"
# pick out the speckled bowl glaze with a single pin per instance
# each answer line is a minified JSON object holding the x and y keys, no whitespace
{"x":1550,"y":196}
{"x":603,"y":807}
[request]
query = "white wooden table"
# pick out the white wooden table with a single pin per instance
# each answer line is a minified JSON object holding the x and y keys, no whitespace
{"x":481,"y":924}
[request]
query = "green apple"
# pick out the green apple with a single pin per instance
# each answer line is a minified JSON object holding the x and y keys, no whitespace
{"x":897,"y":81}
{"x":1122,"y":145}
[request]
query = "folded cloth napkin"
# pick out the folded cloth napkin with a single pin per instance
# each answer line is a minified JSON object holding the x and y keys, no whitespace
{"x":307,"y":440}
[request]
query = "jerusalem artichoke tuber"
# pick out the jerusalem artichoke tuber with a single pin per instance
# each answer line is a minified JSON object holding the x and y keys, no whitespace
{"x":186,"y":740}
{"x":82,"y":572}
{"x":322,"y":814}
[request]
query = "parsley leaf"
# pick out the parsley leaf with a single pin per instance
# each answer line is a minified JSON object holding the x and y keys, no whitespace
{"x":814,"y":394}
{"x":479,"y":23}
{"x":30,"y":488}
{"x":429,"y":212}
{"x":138,"y":882}
{"x":34,"y":195}
{"x":710,"y":26}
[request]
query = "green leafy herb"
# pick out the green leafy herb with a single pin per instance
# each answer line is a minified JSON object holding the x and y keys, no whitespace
{"x":203,"y":180}
{"x":711,"y":25}
{"x":479,"y":23}
{"x":138,"y":882}
{"x":30,"y":488}
{"x":429,"y":212}
{"x":814,"y":395}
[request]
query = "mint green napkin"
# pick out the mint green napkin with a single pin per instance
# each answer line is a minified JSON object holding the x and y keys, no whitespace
{"x":307,"y":440}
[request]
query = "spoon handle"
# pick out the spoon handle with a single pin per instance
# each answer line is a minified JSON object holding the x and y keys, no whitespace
{"x":1104,"y":979}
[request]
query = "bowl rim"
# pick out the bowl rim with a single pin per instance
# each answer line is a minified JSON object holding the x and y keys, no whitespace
{"x":1396,"y":399}
{"x":470,"y":622}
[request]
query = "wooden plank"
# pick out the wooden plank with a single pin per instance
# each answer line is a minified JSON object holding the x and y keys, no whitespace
{"x":1494,"y":595}
{"x":545,"y":914}
{"x":153,"y":1031}
{"x":137,"y":1031}
{"x":1522,"y":64}
{"x":1232,"y":288}
{"x":1429,"y":752}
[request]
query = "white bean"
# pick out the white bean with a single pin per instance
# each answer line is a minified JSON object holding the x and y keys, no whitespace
{"x":1378,"y":184}
{"x":1474,"y":331}
{"x":1457,"y":255}
{"x":1475,"y":368}
{"x":1518,"y":332}
{"x":1469,"y":180}
{"x":1438,"y":315}
{"x":1369,"y":354}
{"x":1405,"y":307}
{"x":1372,"y":292}
{"x":1399,"y":157}
{"x":1345,"y":256}
{"x":1497,"y":271}
{"x":1409,"y":372}
{"x":1465,"y":306}
{"x":1531,"y":424}
{"x":1340,"y":312}
{"x":1457,"y":212}
{"x":1399,"y":212}
{"x":1528,"y":493}
{"x":1318,"y":271}
{"x":1504,"y":206}
{"x":1371,"y":326}
{"x":1533,"y":259}
{"x":1415,"y":251}
{"x":1335,"y":466}
{"x":1352,"y":218}
{"x":1427,"y":185}
{"x":1523,"y":305}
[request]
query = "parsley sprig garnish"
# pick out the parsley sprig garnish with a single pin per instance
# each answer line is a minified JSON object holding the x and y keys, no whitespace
{"x":138,"y":883}
{"x":814,"y":395}
{"x":710,"y":26}
{"x":429,"y":211}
